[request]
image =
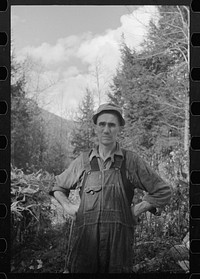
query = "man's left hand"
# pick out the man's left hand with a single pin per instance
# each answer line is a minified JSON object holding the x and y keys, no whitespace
{"x":141,"y":208}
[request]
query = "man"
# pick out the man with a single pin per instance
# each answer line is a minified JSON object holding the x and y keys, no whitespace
{"x":107,"y":176}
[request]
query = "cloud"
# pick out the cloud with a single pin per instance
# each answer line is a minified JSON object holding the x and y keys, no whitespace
{"x":106,"y":47}
{"x":88,"y":47}
{"x":70,"y":72}
{"x":62,"y":51}
{"x":103,"y":48}
{"x":135,"y":25}
{"x":75,"y":58}
{"x":68,"y":93}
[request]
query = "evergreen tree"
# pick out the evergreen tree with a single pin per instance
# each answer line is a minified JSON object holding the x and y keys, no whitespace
{"x":151,"y":86}
{"x":83,"y":135}
{"x":20,"y":117}
{"x":28,"y":137}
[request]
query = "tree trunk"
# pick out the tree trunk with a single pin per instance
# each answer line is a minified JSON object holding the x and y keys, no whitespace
{"x":186,"y":130}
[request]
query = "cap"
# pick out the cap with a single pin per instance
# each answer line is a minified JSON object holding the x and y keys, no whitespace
{"x":108,"y":107}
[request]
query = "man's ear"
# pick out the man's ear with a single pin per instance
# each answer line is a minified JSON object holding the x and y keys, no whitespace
{"x":120,"y":129}
{"x":95,"y":128}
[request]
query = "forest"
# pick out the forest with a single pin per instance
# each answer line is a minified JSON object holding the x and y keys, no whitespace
{"x":152,"y":88}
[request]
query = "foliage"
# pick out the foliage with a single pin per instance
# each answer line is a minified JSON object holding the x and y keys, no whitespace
{"x":39,"y":140}
{"x":42,"y":246}
{"x":152,"y":87}
{"x":156,"y":236}
{"x":30,"y":204}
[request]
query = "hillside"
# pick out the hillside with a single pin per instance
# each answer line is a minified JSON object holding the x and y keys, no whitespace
{"x":58,"y":133}
{"x":56,"y":124}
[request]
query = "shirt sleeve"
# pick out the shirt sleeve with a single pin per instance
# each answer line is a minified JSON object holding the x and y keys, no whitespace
{"x":158,"y":192}
{"x":68,"y":179}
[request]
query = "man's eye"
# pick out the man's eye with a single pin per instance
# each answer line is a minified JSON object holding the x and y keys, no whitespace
{"x":111,"y":125}
{"x":102,"y":124}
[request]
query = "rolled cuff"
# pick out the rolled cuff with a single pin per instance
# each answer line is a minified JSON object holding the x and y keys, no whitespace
{"x":159,"y":199}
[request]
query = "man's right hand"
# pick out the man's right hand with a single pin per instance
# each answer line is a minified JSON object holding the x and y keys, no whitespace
{"x":70,"y":209}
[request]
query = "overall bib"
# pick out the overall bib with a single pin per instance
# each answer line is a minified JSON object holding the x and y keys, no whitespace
{"x":104,"y":224}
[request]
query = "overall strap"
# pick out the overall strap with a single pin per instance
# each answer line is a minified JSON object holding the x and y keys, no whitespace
{"x":117,"y":162}
{"x":90,"y":165}
{"x":87,"y":168}
{"x":128,"y":186}
{"x":86,"y":161}
{"x":94,"y":164}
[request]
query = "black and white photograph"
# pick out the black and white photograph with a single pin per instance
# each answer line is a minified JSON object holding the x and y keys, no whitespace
{"x":100,"y":139}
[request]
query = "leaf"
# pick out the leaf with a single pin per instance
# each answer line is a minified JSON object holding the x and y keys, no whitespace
{"x":136,"y":268}
{"x":179,"y":252}
{"x":186,"y":241}
{"x":184,"y":265}
{"x":40,"y":264}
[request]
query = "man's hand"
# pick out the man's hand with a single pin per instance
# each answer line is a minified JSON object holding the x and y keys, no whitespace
{"x":140,"y":208}
{"x":68,"y":207}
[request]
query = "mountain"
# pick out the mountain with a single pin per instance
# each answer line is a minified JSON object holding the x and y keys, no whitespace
{"x":55,"y":123}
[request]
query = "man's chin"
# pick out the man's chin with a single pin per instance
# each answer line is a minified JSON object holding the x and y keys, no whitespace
{"x":107,"y":142}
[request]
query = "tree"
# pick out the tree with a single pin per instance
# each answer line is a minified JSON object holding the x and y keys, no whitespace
{"x":152,"y":86}
{"x":171,"y":38}
{"x":20,"y":116}
{"x":34,"y":143}
{"x":28,"y":137}
{"x":83,"y":135}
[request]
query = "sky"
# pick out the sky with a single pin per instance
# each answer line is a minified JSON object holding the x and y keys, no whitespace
{"x":69,"y":47}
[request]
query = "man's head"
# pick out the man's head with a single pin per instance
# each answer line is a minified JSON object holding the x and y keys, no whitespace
{"x":109,"y":108}
{"x":108,"y":120}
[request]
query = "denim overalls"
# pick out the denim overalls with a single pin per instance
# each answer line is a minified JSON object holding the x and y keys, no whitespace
{"x":104,"y":223}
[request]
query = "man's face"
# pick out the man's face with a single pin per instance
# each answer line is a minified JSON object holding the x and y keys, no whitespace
{"x":107,"y":128}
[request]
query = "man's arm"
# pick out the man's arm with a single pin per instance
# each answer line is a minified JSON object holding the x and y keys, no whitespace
{"x":141,"y":208}
{"x":158,"y":192}
{"x":66,"y":181}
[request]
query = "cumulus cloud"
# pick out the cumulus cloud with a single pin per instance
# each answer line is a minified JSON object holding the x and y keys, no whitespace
{"x":87,"y":47}
{"x":106,"y":46}
{"x":100,"y":47}
{"x":62,"y":51}
{"x":88,"y":50}
{"x":71,"y":71}
{"x":135,"y":26}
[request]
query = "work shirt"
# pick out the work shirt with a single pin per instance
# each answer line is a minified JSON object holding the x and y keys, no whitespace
{"x":104,"y":223}
{"x":158,"y":192}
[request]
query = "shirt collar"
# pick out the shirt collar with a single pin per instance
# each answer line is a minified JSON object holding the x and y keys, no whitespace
{"x":95,"y":152}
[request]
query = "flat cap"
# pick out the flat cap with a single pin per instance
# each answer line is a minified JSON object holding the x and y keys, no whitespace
{"x":109,"y":107}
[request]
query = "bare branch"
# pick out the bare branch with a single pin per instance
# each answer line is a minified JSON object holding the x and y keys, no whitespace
{"x":172,"y":126}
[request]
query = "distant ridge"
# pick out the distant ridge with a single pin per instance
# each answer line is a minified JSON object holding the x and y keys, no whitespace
{"x":56,"y":124}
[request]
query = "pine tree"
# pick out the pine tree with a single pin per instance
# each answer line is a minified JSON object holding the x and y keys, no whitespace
{"x":152,"y":86}
{"x":83,"y":135}
{"x":28,"y":138}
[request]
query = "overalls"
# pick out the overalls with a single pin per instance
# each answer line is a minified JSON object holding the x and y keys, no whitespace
{"x":104,"y":223}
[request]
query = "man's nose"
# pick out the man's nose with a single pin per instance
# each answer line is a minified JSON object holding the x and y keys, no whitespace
{"x":106,"y":129}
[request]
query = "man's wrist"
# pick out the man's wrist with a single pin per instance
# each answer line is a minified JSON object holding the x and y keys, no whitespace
{"x":141,"y":208}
